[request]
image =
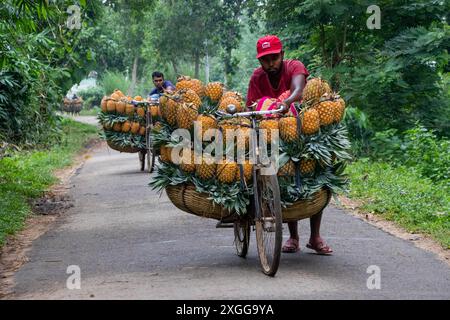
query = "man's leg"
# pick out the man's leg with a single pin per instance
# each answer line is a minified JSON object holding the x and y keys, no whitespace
{"x":315,"y":241}
{"x":291,"y":244}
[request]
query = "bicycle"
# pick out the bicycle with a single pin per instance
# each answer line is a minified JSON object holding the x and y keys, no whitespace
{"x":265,"y":212}
{"x":149,"y":150}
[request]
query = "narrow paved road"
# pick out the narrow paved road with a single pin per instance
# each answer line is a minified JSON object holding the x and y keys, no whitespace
{"x":131,"y":243}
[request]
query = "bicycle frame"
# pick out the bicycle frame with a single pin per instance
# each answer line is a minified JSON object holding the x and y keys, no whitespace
{"x":255,"y":139}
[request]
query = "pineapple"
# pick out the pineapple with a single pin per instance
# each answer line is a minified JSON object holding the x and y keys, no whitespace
{"x":129,"y":109}
{"x":169,"y":108}
{"x":310,"y":121}
{"x":230,"y":100}
{"x":135,"y":127}
{"x":166,"y":154}
{"x":288,"y":129}
{"x":269,"y":125}
{"x":117,"y":127}
{"x":126,"y":126}
{"x":208,"y":122}
{"x":120,"y":107}
{"x":226,"y":172}
{"x":314,"y":90}
{"x":155,"y":111}
{"x":142,"y":130}
{"x":186,"y":115}
{"x":288,"y":169}
{"x":111,"y":106}
{"x":188,"y":165}
{"x":326,"y":112}
{"x":214,"y":91}
{"x":104,"y":104}
{"x":189,"y":96}
{"x":141,"y":112}
{"x":307,"y":166}
{"x":247,"y":169}
{"x":231,"y":94}
{"x":186,"y":82}
{"x":240,"y":127}
{"x":198,"y":87}
{"x":204,"y":170}
{"x":339,"y":109}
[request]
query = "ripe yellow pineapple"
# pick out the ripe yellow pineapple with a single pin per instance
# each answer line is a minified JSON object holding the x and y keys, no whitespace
{"x":269,"y":125}
{"x":326,"y":112}
{"x":166,"y":154}
{"x":314,"y":90}
{"x":339,"y":109}
{"x":169,"y":108}
{"x":310,"y":121}
{"x":189,"y":96}
{"x":206,"y":170}
{"x":111,"y":106}
{"x":186,"y":115}
{"x":230,"y":100}
{"x":117,"y":127}
{"x":231,"y":94}
{"x":226,"y":172}
{"x":135,"y":126}
{"x":103,"y":104}
{"x":141,"y":112}
{"x":214,"y":90}
{"x":208,"y":122}
{"x":239,"y":127}
{"x":121,"y":106}
{"x":126,"y":126}
{"x":129,"y":110}
{"x":142,"y":131}
{"x":186,"y":82}
{"x":187,"y":163}
{"x":307,"y":166}
{"x":288,"y":129}
{"x":288,"y":169}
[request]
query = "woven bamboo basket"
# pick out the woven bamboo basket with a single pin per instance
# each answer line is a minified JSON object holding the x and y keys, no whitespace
{"x":122,"y":149}
{"x":187,"y":199}
{"x":304,"y":209}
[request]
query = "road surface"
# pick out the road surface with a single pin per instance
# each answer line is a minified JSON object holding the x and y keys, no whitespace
{"x":129,"y":242}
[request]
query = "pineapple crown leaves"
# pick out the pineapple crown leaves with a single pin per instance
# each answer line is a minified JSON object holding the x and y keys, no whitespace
{"x":169,"y":174}
{"x":230,"y":196}
{"x":123,"y":139}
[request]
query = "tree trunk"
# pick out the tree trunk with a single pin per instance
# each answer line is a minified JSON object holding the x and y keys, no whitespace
{"x":197,"y":65}
{"x":133,"y":76}
{"x":175,"y":67}
{"x":206,"y":63}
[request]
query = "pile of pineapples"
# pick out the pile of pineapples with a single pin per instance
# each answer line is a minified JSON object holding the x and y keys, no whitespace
{"x":122,"y":122}
{"x":313,"y":145}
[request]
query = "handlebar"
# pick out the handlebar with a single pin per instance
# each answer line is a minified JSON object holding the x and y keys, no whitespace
{"x":249,"y":114}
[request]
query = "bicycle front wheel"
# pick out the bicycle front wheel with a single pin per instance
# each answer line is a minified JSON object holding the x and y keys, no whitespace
{"x":268,"y":222}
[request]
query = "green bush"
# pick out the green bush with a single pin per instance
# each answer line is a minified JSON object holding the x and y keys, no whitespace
{"x":417,"y":148}
{"x":92,"y":97}
{"x":401,"y":194}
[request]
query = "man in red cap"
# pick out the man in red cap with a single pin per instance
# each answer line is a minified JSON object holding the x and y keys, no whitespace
{"x":272,"y":79}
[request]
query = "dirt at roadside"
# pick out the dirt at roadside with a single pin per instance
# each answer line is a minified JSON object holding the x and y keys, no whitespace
{"x":13,"y":255}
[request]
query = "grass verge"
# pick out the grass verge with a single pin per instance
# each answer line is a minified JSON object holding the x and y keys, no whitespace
{"x":402,"y":195}
{"x":27,"y":175}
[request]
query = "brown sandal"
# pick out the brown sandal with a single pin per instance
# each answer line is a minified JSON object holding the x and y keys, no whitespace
{"x":291,"y":246}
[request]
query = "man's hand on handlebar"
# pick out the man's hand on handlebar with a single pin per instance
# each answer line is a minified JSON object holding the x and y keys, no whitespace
{"x":285,"y":106}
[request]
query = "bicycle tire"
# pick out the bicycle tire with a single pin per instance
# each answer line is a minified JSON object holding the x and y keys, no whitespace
{"x":242,"y":237}
{"x":268,"y":222}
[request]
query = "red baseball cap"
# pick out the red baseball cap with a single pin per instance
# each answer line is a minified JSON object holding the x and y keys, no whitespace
{"x":268,"y":45}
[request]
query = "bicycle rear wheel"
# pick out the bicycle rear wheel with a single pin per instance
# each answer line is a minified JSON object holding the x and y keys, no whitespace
{"x":268,"y":222}
{"x":242,"y":237}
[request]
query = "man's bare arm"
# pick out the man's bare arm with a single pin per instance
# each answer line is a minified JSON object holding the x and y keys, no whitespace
{"x":297,"y":86}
